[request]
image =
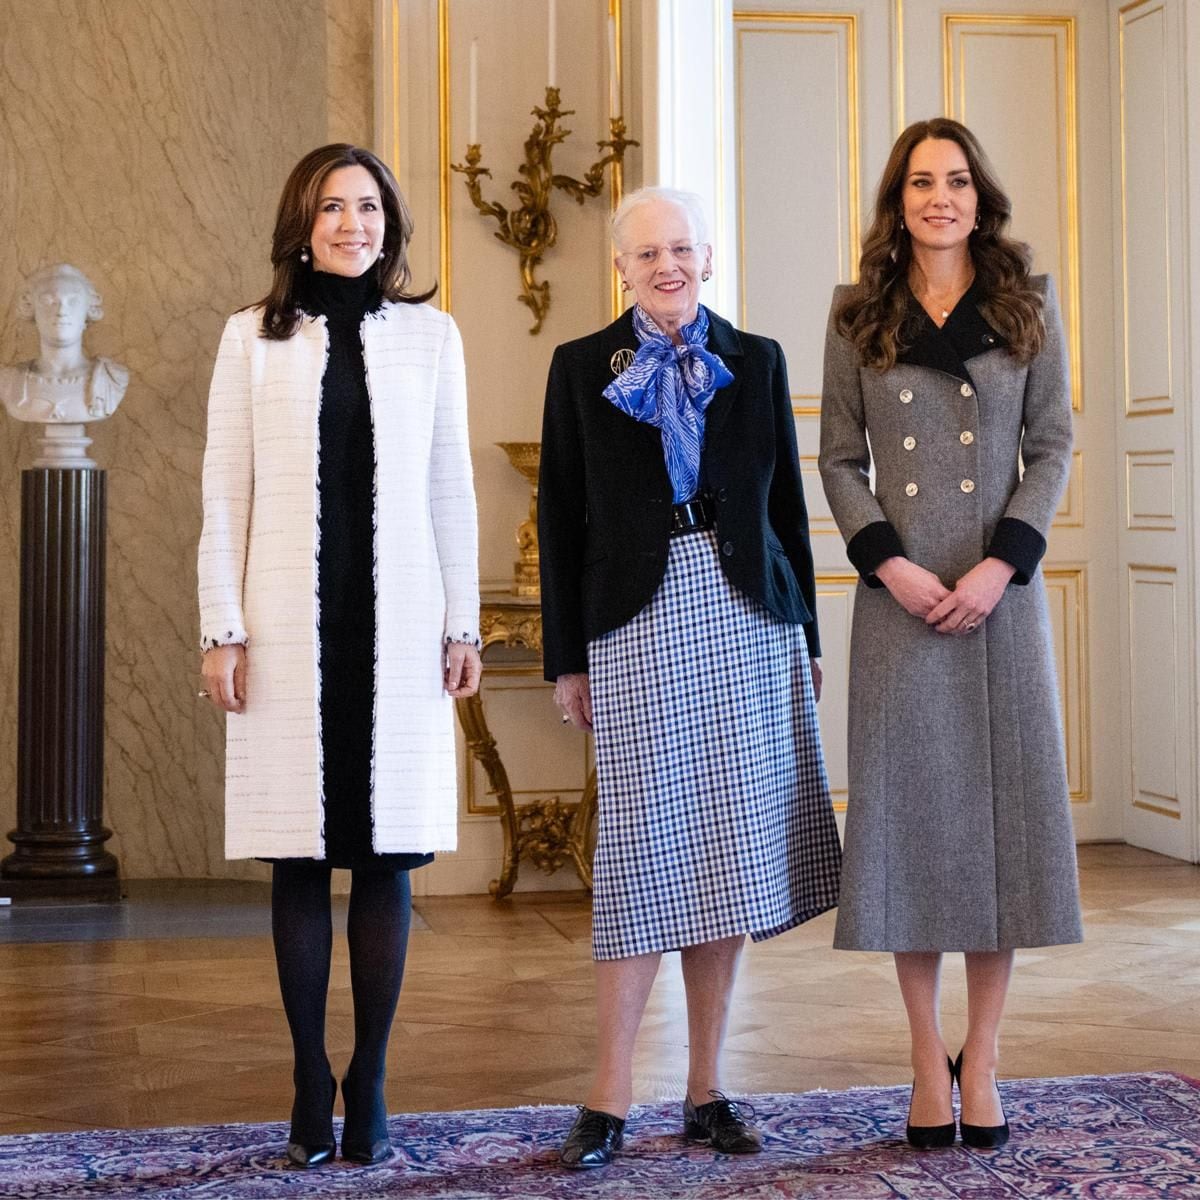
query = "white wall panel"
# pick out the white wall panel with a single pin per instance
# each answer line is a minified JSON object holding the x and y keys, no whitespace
{"x":798,"y":180}
{"x":1154,"y":666}
{"x":835,"y":610}
{"x":1152,"y":416}
{"x":1146,"y":239}
{"x":1066,"y":596}
{"x":1006,"y":76}
{"x":1150,"y":489}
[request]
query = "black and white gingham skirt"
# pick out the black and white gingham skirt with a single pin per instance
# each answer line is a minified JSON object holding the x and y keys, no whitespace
{"x":714,"y":809}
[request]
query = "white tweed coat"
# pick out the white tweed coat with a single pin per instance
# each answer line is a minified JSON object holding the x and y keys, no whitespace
{"x":258,"y":574}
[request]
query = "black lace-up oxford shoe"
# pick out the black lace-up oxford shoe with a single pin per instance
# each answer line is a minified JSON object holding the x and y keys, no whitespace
{"x":722,"y":1124}
{"x":594,"y":1139}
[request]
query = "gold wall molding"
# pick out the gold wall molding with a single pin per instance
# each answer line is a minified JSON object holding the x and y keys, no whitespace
{"x":819,"y":524}
{"x":841,"y":585}
{"x":1139,"y":516}
{"x":958,"y":26}
{"x":1153,"y":575}
{"x":1139,"y":406}
{"x":845,"y":26}
{"x":614,"y":8}
{"x":1070,"y":582}
{"x":898,"y":67}
{"x":388,"y":31}
{"x":444,"y":233}
{"x":616,"y":296}
{"x":1070,"y":509}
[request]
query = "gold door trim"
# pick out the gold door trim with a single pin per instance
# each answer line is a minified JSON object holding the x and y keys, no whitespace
{"x":787,"y":22}
{"x":1079,"y":626}
{"x":1146,"y":406}
{"x":1168,"y":577}
{"x":1007,"y":23}
{"x":443,"y":29}
{"x":1139,"y":522}
{"x":445,"y":229}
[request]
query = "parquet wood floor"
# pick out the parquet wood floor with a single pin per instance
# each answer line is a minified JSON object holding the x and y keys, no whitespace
{"x":497,"y":1010}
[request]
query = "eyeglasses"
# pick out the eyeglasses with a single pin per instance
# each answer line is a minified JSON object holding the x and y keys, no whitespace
{"x":681,"y":252}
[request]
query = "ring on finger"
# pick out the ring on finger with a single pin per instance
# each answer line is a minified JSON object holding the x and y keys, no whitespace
{"x":969,"y":626}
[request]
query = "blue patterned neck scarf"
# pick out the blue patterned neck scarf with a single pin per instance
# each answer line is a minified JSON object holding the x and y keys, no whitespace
{"x":670,"y":386}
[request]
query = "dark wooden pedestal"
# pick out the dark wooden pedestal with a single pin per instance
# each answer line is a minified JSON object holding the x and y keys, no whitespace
{"x":59,"y":841}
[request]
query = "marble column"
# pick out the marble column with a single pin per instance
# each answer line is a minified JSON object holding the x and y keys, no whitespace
{"x":59,"y":840}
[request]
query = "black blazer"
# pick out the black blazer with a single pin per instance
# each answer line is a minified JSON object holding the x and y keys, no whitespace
{"x":604,"y":497}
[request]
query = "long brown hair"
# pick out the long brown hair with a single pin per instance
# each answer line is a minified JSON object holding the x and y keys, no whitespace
{"x":873,"y":315}
{"x":293,"y":228}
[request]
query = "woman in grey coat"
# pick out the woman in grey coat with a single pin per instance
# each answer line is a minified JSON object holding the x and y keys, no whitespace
{"x":945,"y":369}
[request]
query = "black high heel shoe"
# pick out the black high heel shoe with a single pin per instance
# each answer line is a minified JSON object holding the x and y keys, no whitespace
{"x":306,"y":1154}
{"x":372,"y":1146}
{"x":933,"y":1137}
{"x":981,"y":1137}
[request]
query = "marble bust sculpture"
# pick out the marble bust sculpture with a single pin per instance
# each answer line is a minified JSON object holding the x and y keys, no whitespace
{"x":62,"y":386}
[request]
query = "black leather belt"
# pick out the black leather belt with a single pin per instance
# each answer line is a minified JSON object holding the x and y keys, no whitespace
{"x":693,"y":514}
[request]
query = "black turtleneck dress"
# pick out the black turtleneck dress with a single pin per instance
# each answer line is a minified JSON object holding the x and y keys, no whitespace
{"x":346,"y":573}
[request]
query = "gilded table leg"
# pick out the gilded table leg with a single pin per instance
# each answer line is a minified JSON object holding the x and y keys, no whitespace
{"x":483,"y":746}
{"x":581,"y":841}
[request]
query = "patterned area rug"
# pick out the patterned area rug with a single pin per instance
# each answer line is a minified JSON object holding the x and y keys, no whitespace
{"x":1115,"y":1137}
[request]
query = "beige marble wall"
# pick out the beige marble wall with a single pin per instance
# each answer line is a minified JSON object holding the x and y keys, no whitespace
{"x":146,"y":142}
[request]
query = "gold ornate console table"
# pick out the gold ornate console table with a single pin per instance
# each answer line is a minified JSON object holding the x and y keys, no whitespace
{"x":546,"y":832}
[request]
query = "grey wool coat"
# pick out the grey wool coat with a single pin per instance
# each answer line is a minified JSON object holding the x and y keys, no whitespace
{"x":958,"y":827}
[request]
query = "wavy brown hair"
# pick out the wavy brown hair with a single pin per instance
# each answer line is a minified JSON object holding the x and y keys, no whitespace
{"x":293,"y":228}
{"x":873,"y":315}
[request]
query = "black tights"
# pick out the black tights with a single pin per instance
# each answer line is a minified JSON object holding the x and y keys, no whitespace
{"x":377,"y":931}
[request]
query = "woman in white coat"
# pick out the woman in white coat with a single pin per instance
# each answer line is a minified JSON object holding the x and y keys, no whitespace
{"x":339,"y":607}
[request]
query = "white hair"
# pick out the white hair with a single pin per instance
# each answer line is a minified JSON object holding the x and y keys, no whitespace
{"x":39,"y":279}
{"x":688,"y":201}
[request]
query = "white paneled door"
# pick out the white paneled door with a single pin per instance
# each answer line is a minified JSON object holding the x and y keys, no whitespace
{"x":819,"y":94}
{"x":1153,"y":464}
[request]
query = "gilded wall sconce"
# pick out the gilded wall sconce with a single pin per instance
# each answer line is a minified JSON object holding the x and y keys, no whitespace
{"x":531,"y":229}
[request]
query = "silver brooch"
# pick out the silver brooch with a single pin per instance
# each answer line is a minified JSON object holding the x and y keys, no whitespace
{"x":621,"y":360}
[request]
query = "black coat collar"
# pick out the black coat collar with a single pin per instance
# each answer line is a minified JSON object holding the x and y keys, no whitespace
{"x":965,"y":335}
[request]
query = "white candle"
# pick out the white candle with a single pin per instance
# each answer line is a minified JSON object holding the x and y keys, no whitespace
{"x":552,"y":39}
{"x":614,"y":85}
{"x":473,"y":135}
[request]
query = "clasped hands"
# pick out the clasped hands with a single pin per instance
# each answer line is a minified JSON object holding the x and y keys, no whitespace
{"x":959,"y":610}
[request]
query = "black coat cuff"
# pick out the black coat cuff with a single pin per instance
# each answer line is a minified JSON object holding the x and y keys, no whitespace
{"x":1019,"y":545}
{"x":813,"y":640}
{"x":872,"y":545}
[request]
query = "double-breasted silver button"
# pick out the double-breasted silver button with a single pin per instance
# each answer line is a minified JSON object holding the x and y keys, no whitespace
{"x":968,"y":486}
{"x":966,"y":390}
{"x":911,"y":489}
{"x":906,"y":395}
{"x":910,"y":443}
{"x":966,"y":437}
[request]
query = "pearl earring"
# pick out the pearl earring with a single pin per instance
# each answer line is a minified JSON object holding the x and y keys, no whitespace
{"x":705,"y":275}
{"x":304,"y":254}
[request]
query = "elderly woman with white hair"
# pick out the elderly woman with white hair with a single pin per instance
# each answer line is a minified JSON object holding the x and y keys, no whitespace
{"x":679,"y":616}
